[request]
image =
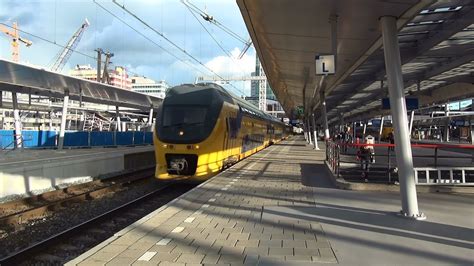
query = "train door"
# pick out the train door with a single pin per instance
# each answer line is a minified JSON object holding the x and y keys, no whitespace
{"x":227,"y":139}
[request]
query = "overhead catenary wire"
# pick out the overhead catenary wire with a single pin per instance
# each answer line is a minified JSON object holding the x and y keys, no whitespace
{"x":173,"y":44}
{"x":209,"y":33}
{"x":212,"y":20}
{"x":212,"y":37}
{"x":146,"y":37}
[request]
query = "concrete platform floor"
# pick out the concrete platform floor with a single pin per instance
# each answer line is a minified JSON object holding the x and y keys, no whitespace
{"x":279,"y":207}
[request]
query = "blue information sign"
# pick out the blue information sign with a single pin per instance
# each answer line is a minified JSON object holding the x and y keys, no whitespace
{"x":412,"y":103}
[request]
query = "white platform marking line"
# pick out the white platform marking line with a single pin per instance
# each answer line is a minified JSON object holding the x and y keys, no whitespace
{"x":212,"y":200}
{"x":189,"y":219}
{"x":218,"y":194}
{"x":178,"y":229}
{"x":224,"y":188}
{"x":147,"y":256}
{"x":235,"y":179}
{"x":163,"y":242}
{"x":198,"y":212}
{"x":205,"y":206}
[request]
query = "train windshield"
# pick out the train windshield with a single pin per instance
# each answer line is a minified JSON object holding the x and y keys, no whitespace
{"x":183,"y":115}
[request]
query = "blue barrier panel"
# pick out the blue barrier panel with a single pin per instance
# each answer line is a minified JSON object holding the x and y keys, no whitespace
{"x":30,"y":138}
{"x":124,"y":138}
{"x":6,"y":139}
{"x":149,"y":137}
{"x":102,"y":138}
{"x":39,"y":139}
{"x":76,"y":139}
{"x":139,"y":138}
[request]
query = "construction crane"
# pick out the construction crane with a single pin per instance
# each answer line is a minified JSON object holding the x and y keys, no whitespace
{"x":14,"y":34}
{"x":64,"y":55}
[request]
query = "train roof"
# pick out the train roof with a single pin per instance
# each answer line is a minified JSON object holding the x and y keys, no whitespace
{"x":245,"y":106}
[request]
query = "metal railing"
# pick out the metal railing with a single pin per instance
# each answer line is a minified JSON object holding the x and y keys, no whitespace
{"x":440,"y":180}
{"x":333,"y":156}
{"x":335,"y":151}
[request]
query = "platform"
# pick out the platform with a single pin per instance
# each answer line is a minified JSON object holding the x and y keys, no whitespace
{"x":280,"y":207}
{"x":28,"y":171}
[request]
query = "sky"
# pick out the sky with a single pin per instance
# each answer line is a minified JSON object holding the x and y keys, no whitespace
{"x":55,"y":21}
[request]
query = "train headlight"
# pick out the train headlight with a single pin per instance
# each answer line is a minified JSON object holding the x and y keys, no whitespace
{"x":181,"y":133}
{"x":165,"y":146}
{"x":196,"y":147}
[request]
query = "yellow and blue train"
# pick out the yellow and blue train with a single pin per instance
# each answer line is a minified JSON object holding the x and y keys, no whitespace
{"x":202,"y":128}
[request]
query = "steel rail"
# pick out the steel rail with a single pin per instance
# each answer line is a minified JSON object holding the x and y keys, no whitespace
{"x":15,"y":219}
{"x":30,"y":251}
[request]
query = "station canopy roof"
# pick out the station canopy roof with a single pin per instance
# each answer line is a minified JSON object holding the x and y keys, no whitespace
{"x":21,"y":78}
{"x":436,"y":41}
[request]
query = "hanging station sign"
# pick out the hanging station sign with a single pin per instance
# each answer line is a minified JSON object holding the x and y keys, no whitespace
{"x":325,"y":65}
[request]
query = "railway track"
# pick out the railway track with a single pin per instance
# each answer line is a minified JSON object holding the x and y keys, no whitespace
{"x":70,"y":243}
{"x":16,"y":213}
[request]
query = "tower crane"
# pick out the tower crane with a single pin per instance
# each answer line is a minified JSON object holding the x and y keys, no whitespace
{"x":63,"y":56}
{"x":14,"y":34}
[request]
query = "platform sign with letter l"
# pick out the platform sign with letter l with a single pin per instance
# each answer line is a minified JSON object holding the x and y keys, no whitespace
{"x":325,"y":65}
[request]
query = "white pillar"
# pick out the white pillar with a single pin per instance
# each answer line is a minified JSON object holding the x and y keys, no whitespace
{"x":365,"y":130}
{"x":399,"y":116}
{"x":381,"y":128}
{"x":446,"y":131}
{"x":309,"y":131}
{"x":471,"y":128}
{"x":412,"y":114}
{"x":315,"y":132}
{"x":51,"y":120}
{"x":150,"y":117}
{"x":325,"y":119}
{"x":354,"y":133}
{"x":17,"y":121}
{"x":117,"y":114}
{"x":62,"y":128}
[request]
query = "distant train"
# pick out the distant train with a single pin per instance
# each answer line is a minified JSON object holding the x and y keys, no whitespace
{"x":201,"y":129}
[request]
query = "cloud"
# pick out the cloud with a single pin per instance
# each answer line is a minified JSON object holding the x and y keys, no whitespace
{"x":233,"y":67}
{"x":57,"y":20}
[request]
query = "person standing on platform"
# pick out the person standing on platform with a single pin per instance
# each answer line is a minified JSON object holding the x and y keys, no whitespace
{"x":391,"y":140}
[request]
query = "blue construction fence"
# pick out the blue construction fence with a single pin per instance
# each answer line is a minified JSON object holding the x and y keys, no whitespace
{"x":49,"y":139}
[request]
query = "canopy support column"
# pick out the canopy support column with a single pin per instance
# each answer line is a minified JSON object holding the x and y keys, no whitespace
{"x":325,"y":117}
{"x":310,"y":141}
{"x":150,"y":117}
{"x":400,"y":120}
{"x":117,"y":114}
{"x":17,"y":122}
{"x":381,"y":128}
{"x":62,"y":128}
{"x":315,"y":132}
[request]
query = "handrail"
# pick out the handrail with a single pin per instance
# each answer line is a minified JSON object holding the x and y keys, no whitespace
{"x":334,"y":149}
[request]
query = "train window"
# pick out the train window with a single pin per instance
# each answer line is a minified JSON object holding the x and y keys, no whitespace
{"x":174,"y":115}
